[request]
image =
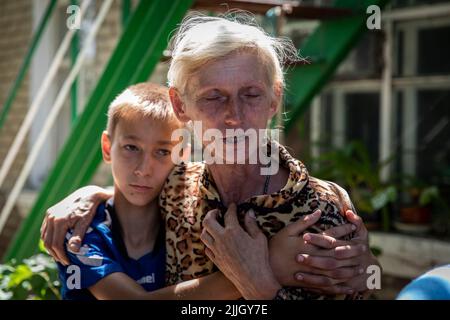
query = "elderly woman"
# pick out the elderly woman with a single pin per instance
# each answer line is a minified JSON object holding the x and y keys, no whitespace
{"x":228,"y":75}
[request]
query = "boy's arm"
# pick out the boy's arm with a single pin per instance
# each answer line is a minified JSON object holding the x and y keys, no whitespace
{"x":120,"y":286}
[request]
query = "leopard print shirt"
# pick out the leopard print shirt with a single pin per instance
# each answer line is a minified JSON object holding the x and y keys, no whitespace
{"x":190,"y":193}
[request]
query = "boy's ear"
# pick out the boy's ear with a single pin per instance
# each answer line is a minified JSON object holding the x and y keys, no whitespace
{"x":178,"y":105}
{"x":106,"y":147}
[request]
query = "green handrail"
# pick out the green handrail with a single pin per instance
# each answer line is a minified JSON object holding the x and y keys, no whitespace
{"x":331,"y":41}
{"x":126,"y":11}
{"x":26,"y":62}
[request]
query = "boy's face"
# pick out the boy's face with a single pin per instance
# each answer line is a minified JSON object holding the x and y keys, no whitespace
{"x":140,"y":157}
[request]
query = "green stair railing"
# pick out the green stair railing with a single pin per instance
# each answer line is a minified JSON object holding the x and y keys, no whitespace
{"x":328,"y":45}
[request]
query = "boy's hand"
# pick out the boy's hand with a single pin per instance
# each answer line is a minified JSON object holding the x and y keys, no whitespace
{"x":74,"y":212}
{"x":342,"y":260}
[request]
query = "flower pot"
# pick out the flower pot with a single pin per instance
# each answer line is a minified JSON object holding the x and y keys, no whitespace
{"x":415,"y":215}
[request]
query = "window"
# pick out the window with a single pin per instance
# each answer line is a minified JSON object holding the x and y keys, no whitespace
{"x":362,"y":120}
{"x":433,"y":135}
{"x":433,"y":51}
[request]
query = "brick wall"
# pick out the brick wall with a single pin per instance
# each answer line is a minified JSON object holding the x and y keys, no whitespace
{"x":15,"y":33}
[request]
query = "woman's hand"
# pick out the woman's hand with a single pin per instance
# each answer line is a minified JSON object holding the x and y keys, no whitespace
{"x":242,"y":256}
{"x":321,"y":262}
{"x":74,"y":212}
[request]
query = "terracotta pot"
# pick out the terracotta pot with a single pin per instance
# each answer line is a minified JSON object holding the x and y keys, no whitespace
{"x":415,"y":215}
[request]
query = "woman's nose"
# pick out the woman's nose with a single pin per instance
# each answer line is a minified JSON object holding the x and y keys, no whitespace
{"x":233,"y":113}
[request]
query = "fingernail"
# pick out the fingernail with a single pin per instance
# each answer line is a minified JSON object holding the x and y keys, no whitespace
{"x":299,"y":277}
{"x":364,"y":248}
{"x":300,"y":258}
{"x":350,"y":291}
{"x":316,"y":212}
{"x":353,"y":227}
{"x":361,"y":271}
{"x":307,"y":237}
{"x":251,"y":213}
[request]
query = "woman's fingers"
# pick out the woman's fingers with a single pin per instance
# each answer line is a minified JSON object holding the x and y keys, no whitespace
{"x":44,"y":228}
{"x":211,"y":224}
{"x":79,"y":230}
{"x":297,"y":227}
{"x":59,"y":235}
{"x":207,"y":238}
{"x":210,"y":254}
{"x":231,"y":216}
{"x":250,"y":224}
{"x":48,"y":239}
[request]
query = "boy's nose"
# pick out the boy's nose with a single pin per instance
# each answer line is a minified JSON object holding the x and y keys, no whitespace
{"x":145,"y":168}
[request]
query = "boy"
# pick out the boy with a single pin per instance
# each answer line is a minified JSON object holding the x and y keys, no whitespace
{"x":123,"y":253}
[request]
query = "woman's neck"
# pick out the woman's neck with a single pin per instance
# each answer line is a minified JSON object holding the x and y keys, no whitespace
{"x":139,"y":224}
{"x":237,"y":182}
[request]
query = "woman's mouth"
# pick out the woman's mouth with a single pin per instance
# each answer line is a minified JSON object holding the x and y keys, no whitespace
{"x":233,"y":139}
{"x":140,"y":188}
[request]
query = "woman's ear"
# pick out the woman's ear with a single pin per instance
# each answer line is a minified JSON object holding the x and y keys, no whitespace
{"x":106,"y":147}
{"x":179,"y":107}
{"x":277,"y":98}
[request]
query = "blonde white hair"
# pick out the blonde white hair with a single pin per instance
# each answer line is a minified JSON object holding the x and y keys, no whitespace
{"x":201,"y":39}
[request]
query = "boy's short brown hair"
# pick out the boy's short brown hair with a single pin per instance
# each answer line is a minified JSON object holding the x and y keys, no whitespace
{"x":144,"y":99}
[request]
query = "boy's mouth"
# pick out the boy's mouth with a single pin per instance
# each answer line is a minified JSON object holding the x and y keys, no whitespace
{"x":140,"y":188}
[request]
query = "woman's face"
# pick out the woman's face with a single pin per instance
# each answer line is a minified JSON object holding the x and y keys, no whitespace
{"x":233,"y":92}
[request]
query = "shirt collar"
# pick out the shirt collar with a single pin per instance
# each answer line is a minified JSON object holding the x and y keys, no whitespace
{"x":298,"y":178}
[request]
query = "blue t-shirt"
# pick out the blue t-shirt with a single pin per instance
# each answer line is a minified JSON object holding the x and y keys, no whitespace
{"x":103,"y":252}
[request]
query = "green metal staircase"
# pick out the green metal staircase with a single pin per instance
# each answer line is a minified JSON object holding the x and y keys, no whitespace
{"x":135,"y":57}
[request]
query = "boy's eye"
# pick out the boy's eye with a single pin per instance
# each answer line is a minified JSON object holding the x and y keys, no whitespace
{"x":130,"y":147}
{"x":252,"y":96}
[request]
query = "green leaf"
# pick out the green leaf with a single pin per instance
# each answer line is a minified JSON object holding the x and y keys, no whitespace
{"x":22,"y":273}
{"x":428,"y":195}
{"x":383,"y":198}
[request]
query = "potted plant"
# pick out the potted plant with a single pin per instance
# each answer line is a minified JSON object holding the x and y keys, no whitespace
{"x":352,"y":167}
{"x":417,"y":206}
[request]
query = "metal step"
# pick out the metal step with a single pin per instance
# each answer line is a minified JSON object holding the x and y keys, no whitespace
{"x":292,"y":9}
